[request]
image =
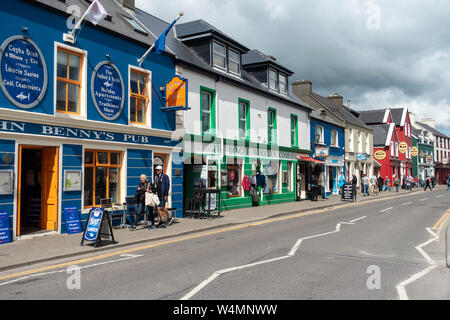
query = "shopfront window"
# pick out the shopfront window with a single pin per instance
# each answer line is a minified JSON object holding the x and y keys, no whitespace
{"x":101,"y":177}
{"x":271,"y":169}
{"x":234,"y":180}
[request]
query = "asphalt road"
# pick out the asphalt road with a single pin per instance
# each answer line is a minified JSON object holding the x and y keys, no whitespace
{"x":378,"y":250}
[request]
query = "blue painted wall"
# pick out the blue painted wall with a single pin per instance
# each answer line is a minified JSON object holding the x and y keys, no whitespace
{"x":7,"y":201}
{"x":45,"y":27}
{"x":72,"y":160}
{"x":334,"y":151}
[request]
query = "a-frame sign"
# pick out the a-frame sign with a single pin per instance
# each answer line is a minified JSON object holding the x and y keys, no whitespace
{"x":95,"y":225}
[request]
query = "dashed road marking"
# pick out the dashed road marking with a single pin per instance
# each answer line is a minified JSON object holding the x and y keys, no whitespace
{"x":385,"y":210}
{"x":425,"y":199}
{"x":407,"y":204}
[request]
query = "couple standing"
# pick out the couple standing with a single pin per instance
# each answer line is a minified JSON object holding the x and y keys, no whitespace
{"x":160,"y":187}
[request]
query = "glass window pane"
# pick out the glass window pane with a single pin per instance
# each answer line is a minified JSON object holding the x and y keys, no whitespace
{"x":273,"y":83}
{"x":74,"y":67}
{"x":143,"y":84}
{"x":218,"y":48}
{"x":61,"y":96}
{"x":205,"y":122}
{"x":141,"y":111}
{"x":88,"y":187}
{"x":61,"y":70}
{"x":89,"y":157}
{"x":114,"y":185}
{"x":115,"y":158}
{"x":219,"y":61}
{"x":234,"y":180}
{"x":133,"y":82}
{"x":234,"y":56}
{"x":133,"y":109}
{"x":100,"y":184}
{"x":102,"y":158}
{"x":74,"y":97}
{"x":206,"y":101}
{"x":234,"y":67}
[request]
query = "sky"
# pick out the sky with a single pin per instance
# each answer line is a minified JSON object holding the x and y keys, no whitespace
{"x":375,"y":53}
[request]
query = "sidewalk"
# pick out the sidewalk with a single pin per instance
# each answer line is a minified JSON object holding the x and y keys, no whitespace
{"x":37,"y":250}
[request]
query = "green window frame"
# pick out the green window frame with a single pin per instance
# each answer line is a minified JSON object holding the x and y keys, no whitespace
{"x":244,"y":119}
{"x":207,"y":110}
{"x":294,"y":130}
{"x":271,"y":125}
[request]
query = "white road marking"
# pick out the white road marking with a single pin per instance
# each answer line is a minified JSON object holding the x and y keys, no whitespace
{"x":125,"y":257}
{"x":406,"y":204}
{"x":385,"y":210}
{"x":294,"y":249}
{"x":401,"y":287}
{"x":440,"y":196}
{"x":425,"y":199}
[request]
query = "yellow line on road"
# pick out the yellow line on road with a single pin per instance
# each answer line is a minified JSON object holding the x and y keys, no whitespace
{"x":196,"y":236}
{"x":440,"y":222}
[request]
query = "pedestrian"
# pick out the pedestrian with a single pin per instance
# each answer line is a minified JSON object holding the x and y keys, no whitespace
{"x":388,"y":183}
{"x":448,"y":182}
{"x":341,"y":180}
{"x":396,"y":183}
{"x":354,"y":183}
{"x":380,"y":183}
{"x":139,"y":199}
{"x":314,"y":189}
{"x":428,"y":184}
{"x":433,"y":181}
{"x":374,"y":182}
{"x":365,"y":181}
{"x":162,"y":185}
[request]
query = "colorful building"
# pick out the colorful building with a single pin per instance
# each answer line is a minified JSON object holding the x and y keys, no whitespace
{"x":422,"y":154}
{"x":80,"y":122}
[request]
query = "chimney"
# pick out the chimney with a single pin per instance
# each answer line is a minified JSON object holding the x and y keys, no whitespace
{"x":128,"y":4}
{"x":302,"y":88}
{"x":429,"y":121}
{"x":336,"y":98}
{"x":412,"y":117}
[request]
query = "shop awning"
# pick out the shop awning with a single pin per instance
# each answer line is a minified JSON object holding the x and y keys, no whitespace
{"x":309,"y":159}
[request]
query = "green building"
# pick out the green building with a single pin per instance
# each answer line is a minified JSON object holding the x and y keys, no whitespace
{"x":422,"y":153}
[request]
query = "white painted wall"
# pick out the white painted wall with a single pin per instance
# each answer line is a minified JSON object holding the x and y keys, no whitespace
{"x":227,"y":112}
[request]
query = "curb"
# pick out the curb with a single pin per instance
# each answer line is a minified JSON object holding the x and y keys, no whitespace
{"x":200,"y":230}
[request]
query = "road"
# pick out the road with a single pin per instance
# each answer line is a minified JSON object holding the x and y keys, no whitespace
{"x":380,"y":250}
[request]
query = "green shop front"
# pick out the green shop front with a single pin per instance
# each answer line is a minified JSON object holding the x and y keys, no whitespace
{"x":231,"y":166}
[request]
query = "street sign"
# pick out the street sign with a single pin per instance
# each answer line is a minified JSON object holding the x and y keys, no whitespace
{"x":348,"y":192}
{"x":23,"y":75}
{"x":72,"y":220}
{"x":5,"y":234}
{"x":176,"y":94}
{"x":108,"y":90}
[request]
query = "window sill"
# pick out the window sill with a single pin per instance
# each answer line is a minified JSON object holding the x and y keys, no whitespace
{"x":139,"y":125}
{"x":69,"y":116}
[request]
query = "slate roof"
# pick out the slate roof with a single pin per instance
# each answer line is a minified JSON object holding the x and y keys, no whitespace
{"x":397,"y":115}
{"x":256,"y":57}
{"x":199,"y":27}
{"x":380,"y":134}
{"x":434,"y":131}
{"x":372,"y":116}
{"x":186,"y":55}
{"x":117,"y":25}
{"x":340,"y":111}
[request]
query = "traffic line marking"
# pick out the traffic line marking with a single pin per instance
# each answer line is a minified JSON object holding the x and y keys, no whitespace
{"x":425,"y":199}
{"x":439,"y":223}
{"x":406,"y":204}
{"x":385,"y":210}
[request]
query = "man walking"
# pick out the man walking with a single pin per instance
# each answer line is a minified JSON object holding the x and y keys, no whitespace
{"x":365,"y":181}
{"x":428,"y":184}
{"x":162,"y":184}
{"x":354,"y":183}
{"x":396,"y":183}
{"x":341,"y":183}
{"x":448,"y":182}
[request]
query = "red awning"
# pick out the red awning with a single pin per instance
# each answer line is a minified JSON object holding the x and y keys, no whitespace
{"x":309,"y":159}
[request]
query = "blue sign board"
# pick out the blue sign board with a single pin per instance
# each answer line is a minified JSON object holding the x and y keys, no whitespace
{"x":108,"y":91}
{"x":5,"y":235}
{"x":72,"y":220}
{"x":23,"y":73}
{"x":94,"y":224}
{"x":361,"y":157}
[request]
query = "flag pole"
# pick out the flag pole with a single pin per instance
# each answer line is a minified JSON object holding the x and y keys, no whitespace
{"x":141,"y":60}
{"x":81,"y":20}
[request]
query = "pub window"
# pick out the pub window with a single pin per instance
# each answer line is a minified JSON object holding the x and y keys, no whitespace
{"x":101,"y":177}
{"x":68,"y":84}
{"x":139,"y":96}
{"x":219,"y":55}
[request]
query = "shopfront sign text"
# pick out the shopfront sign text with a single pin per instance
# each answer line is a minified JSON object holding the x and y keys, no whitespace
{"x":5,"y":235}
{"x":23,"y":75}
{"x":85,"y":134}
{"x":108,"y":90}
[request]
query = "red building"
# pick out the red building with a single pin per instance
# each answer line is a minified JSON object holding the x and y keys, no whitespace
{"x":402,"y":122}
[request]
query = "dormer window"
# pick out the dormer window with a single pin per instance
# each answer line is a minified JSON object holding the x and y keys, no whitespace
{"x":234,"y":62}
{"x":283,"y":84}
{"x":273,"y":81}
{"x":219,"y":55}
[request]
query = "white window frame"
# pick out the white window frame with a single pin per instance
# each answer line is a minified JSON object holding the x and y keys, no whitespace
{"x":336,"y":142}
{"x":238,"y":62}
{"x":396,"y":149}
{"x":392,"y":149}
{"x":282,"y":75}
{"x":211,"y":96}
{"x":322,"y":135}
{"x":223,"y":55}
{"x":84,"y":82}
{"x":148,"y":113}
{"x":277,"y":87}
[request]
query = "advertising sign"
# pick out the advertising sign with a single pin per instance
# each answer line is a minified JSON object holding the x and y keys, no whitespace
{"x":414,"y":151}
{"x":361,"y":157}
{"x":321,"y":152}
{"x":108,"y":90}
{"x":429,"y":159}
{"x":5,"y":235}
{"x":380,"y":155}
{"x":72,"y":220}
{"x":403,"y":147}
{"x":348,"y":192}
{"x":176,"y":93}
{"x":23,"y":75}
{"x":94,"y":223}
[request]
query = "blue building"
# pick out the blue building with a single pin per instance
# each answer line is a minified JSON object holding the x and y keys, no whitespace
{"x":79,"y":121}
